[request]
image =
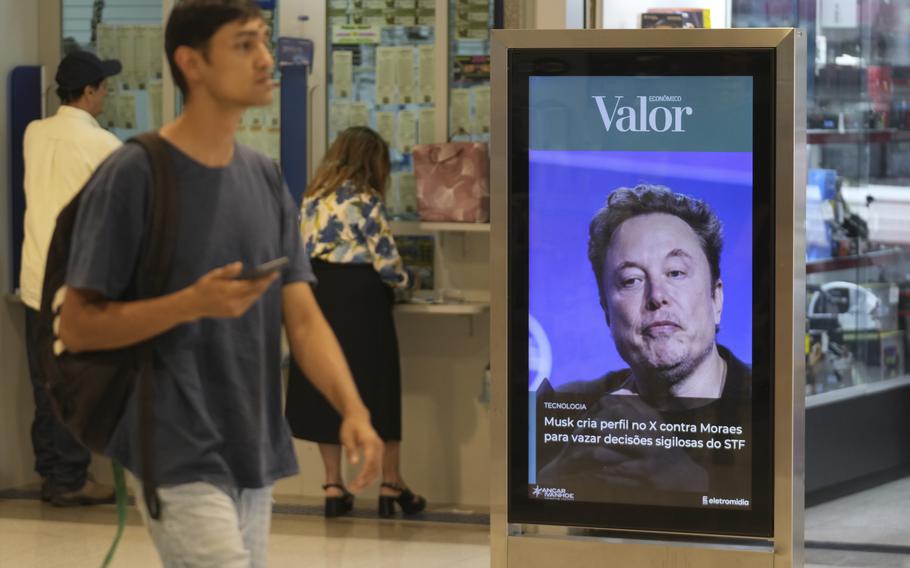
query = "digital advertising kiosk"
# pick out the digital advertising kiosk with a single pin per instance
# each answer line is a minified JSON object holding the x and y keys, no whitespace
{"x":648,"y":310}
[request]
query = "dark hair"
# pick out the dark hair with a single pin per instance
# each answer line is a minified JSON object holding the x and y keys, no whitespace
{"x":360,"y":156}
{"x":625,"y":203}
{"x":193,"y":23}
{"x":70,"y":95}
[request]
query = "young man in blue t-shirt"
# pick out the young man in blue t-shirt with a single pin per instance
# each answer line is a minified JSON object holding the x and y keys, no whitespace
{"x":222,"y":440}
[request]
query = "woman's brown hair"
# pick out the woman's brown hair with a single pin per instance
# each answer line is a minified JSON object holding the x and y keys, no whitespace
{"x":358,"y":155}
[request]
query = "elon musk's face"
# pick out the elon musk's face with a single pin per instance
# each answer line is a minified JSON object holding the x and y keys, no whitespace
{"x":661,"y":305}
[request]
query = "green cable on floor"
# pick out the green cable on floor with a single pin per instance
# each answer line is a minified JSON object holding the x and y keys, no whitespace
{"x":120,"y":488}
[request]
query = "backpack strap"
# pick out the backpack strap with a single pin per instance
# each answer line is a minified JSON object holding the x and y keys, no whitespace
{"x":277,"y":188}
{"x":158,"y":254}
{"x":155,"y":265}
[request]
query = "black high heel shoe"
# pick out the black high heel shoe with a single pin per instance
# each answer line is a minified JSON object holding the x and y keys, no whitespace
{"x":337,"y":506}
{"x":410,"y":504}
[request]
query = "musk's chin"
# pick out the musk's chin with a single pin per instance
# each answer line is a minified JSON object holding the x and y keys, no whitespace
{"x":669,"y":370}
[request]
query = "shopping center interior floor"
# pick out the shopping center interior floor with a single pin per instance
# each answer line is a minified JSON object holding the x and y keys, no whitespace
{"x":867,"y":529}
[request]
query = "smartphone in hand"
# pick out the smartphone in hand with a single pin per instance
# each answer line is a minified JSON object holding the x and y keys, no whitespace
{"x":264,"y":269}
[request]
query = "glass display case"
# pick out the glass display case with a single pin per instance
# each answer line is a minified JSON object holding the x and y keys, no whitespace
{"x":131,"y":32}
{"x":469,"y":62}
{"x":260,"y":127}
{"x":857,"y":237}
{"x":856,"y":323}
{"x":382,"y":75}
{"x":858,"y":113}
{"x":385,"y":70}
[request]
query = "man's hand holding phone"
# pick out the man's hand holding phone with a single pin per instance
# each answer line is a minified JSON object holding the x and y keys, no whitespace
{"x":264,"y":269}
{"x":229,"y":291}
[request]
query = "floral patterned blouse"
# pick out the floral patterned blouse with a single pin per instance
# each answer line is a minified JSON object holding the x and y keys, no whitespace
{"x":350,"y":226}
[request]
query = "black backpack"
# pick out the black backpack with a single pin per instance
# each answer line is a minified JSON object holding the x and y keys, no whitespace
{"x":89,"y":391}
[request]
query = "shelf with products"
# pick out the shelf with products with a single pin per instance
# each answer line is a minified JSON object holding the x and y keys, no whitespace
{"x":854,"y":261}
{"x":857,"y":319}
{"x":407,"y":69}
{"x":131,"y":33}
{"x":260,"y":127}
{"x":856,"y":329}
{"x":134,"y":102}
{"x":878,"y":136}
{"x":410,"y":227}
{"x":446,"y":309}
{"x":382,"y":76}
{"x":469,"y":69}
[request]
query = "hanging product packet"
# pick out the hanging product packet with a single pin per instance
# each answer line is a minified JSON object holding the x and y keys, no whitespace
{"x":452,"y":182}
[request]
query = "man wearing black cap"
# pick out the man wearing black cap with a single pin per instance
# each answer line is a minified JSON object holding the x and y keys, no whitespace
{"x":61,"y":152}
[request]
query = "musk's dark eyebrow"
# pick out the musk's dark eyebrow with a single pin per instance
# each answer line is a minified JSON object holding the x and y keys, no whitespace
{"x":627,"y":264}
{"x":679,"y":253}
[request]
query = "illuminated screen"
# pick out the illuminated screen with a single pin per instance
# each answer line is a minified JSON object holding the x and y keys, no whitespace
{"x":643,"y":196}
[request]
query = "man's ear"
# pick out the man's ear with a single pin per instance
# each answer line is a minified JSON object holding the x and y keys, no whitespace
{"x":189,"y":61}
{"x":717,"y":298}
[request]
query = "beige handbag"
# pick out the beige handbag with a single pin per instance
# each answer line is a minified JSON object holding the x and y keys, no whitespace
{"x":452,"y":182}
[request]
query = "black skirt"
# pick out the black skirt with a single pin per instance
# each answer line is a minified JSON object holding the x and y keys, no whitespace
{"x":358,"y":307}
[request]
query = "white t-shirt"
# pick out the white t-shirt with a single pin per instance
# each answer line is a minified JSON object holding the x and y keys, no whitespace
{"x":61,"y":152}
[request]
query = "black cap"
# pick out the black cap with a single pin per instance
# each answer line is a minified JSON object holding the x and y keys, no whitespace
{"x":81,"y":68}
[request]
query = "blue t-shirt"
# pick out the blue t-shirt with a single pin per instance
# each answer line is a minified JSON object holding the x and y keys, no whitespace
{"x":217,"y":381}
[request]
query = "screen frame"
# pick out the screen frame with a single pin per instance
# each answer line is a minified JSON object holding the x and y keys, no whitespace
{"x":759,"y":63}
{"x":532,"y":545}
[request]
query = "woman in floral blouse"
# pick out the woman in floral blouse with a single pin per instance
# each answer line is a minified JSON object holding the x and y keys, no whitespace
{"x":350,"y":244}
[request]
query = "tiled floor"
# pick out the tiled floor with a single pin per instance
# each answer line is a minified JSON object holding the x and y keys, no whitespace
{"x":36,"y":536}
{"x":879,"y":516}
{"x":33,"y":535}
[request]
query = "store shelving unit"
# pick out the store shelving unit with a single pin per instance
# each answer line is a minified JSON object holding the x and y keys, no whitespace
{"x":858,"y":112}
{"x":417,"y":71}
{"x":410,"y":227}
{"x":460,"y":309}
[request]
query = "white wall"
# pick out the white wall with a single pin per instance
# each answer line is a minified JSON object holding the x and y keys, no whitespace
{"x":624,"y":14}
{"x":550,"y":14}
{"x":19,"y":29}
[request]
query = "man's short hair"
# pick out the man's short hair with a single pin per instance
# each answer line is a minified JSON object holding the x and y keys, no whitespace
{"x":68,"y":96}
{"x":194,"y":22}
{"x":625,"y":203}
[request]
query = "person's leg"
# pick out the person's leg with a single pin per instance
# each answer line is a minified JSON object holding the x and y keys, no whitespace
{"x":331,"y":460}
{"x":59,"y":457}
{"x":199,"y":527}
{"x":71,"y":466}
{"x":391,"y":467}
{"x":43,"y":422}
{"x":255,"y":520}
{"x":393,"y":487}
{"x":338,"y":500}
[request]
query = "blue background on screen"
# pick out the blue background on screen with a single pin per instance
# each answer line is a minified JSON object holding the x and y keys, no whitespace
{"x":568,"y":187}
